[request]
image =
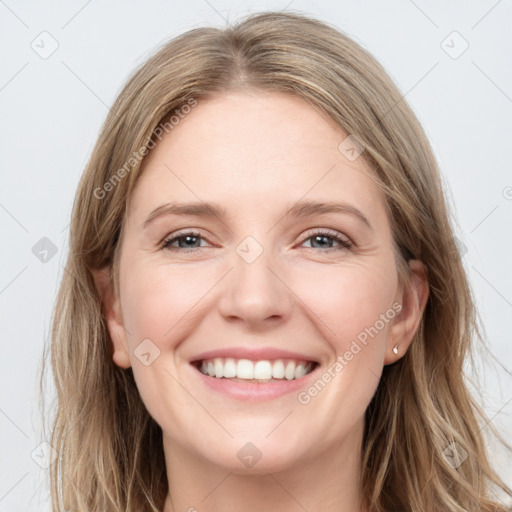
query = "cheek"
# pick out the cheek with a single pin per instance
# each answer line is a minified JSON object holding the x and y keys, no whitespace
{"x":354,"y":304}
{"x":163,"y":303}
{"x":351,"y":302}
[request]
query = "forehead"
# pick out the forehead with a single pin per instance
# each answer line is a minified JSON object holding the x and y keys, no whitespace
{"x":254,"y":152}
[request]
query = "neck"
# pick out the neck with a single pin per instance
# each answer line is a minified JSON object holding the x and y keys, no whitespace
{"x":330,"y":481}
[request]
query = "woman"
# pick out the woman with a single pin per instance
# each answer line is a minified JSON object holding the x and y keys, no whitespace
{"x":263,"y":307}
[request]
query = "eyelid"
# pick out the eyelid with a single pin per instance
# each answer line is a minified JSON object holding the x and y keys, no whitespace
{"x":345,"y":242}
{"x":327,"y":231}
{"x":171,"y":237}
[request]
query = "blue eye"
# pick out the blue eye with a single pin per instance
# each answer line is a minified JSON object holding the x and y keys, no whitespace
{"x":191,"y":241}
{"x":325,"y":238}
{"x":186,"y":240}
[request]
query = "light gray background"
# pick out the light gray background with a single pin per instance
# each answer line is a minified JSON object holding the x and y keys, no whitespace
{"x":52,"y":109}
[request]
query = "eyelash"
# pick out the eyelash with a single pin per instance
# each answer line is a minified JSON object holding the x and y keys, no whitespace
{"x":345,"y":244}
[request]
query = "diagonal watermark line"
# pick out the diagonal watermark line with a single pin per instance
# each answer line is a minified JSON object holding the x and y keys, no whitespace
{"x":490,"y":284}
{"x":485,"y":15}
{"x":14,"y":424}
{"x":424,"y":14}
{"x":75,"y":485}
{"x":76,"y":14}
{"x":14,"y":218}
{"x":492,"y":419}
{"x":279,"y":423}
{"x":183,"y":316}
{"x":13,"y":279}
{"x":374,"y":374}
{"x":225,"y":19}
{"x":287,"y":492}
{"x":287,"y":5}
{"x":14,"y":486}
{"x":406,"y":93}
{"x":301,"y":300}
{"x":488,"y":215}
{"x":85,"y":84}
{"x":491,"y":80}
{"x":14,"y":76}
{"x":305,"y":194}
{"x":216,"y":487}
{"x":417,"y":83}
{"x":199,"y":403}
{"x":13,"y":13}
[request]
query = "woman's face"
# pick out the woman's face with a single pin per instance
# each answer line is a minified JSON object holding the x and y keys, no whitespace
{"x":290,"y":270}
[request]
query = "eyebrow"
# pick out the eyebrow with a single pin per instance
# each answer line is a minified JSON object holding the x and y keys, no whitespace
{"x":300,"y":209}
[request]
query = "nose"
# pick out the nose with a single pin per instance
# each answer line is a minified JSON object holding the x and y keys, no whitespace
{"x":256,"y":293}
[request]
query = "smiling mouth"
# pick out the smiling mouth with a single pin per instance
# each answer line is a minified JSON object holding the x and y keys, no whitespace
{"x":261,"y":371}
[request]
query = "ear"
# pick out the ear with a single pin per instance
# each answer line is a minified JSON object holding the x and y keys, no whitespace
{"x":112,"y":312}
{"x":413,"y":298}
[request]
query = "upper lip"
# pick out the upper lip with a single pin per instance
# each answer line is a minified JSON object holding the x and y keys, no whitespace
{"x":253,"y":354}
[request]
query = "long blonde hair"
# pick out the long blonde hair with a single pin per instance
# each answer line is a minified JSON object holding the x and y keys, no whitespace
{"x":110,"y":449}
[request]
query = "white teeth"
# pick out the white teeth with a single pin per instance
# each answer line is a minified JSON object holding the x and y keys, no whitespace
{"x":278,"y":369}
{"x":219,"y":368}
{"x":262,"y":371}
{"x":300,"y":371}
{"x":289,"y":372}
{"x":229,"y":368}
{"x":245,"y":369}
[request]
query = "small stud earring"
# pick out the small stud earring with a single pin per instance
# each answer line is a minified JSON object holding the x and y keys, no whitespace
{"x":395,"y":350}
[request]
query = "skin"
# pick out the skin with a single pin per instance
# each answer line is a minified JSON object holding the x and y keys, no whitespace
{"x":257,"y":154}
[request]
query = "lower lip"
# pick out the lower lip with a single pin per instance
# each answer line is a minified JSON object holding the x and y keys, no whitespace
{"x":253,"y":391}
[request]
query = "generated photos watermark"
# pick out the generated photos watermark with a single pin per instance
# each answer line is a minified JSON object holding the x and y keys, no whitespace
{"x":137,"y":156}
{"x":305,"y":397}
